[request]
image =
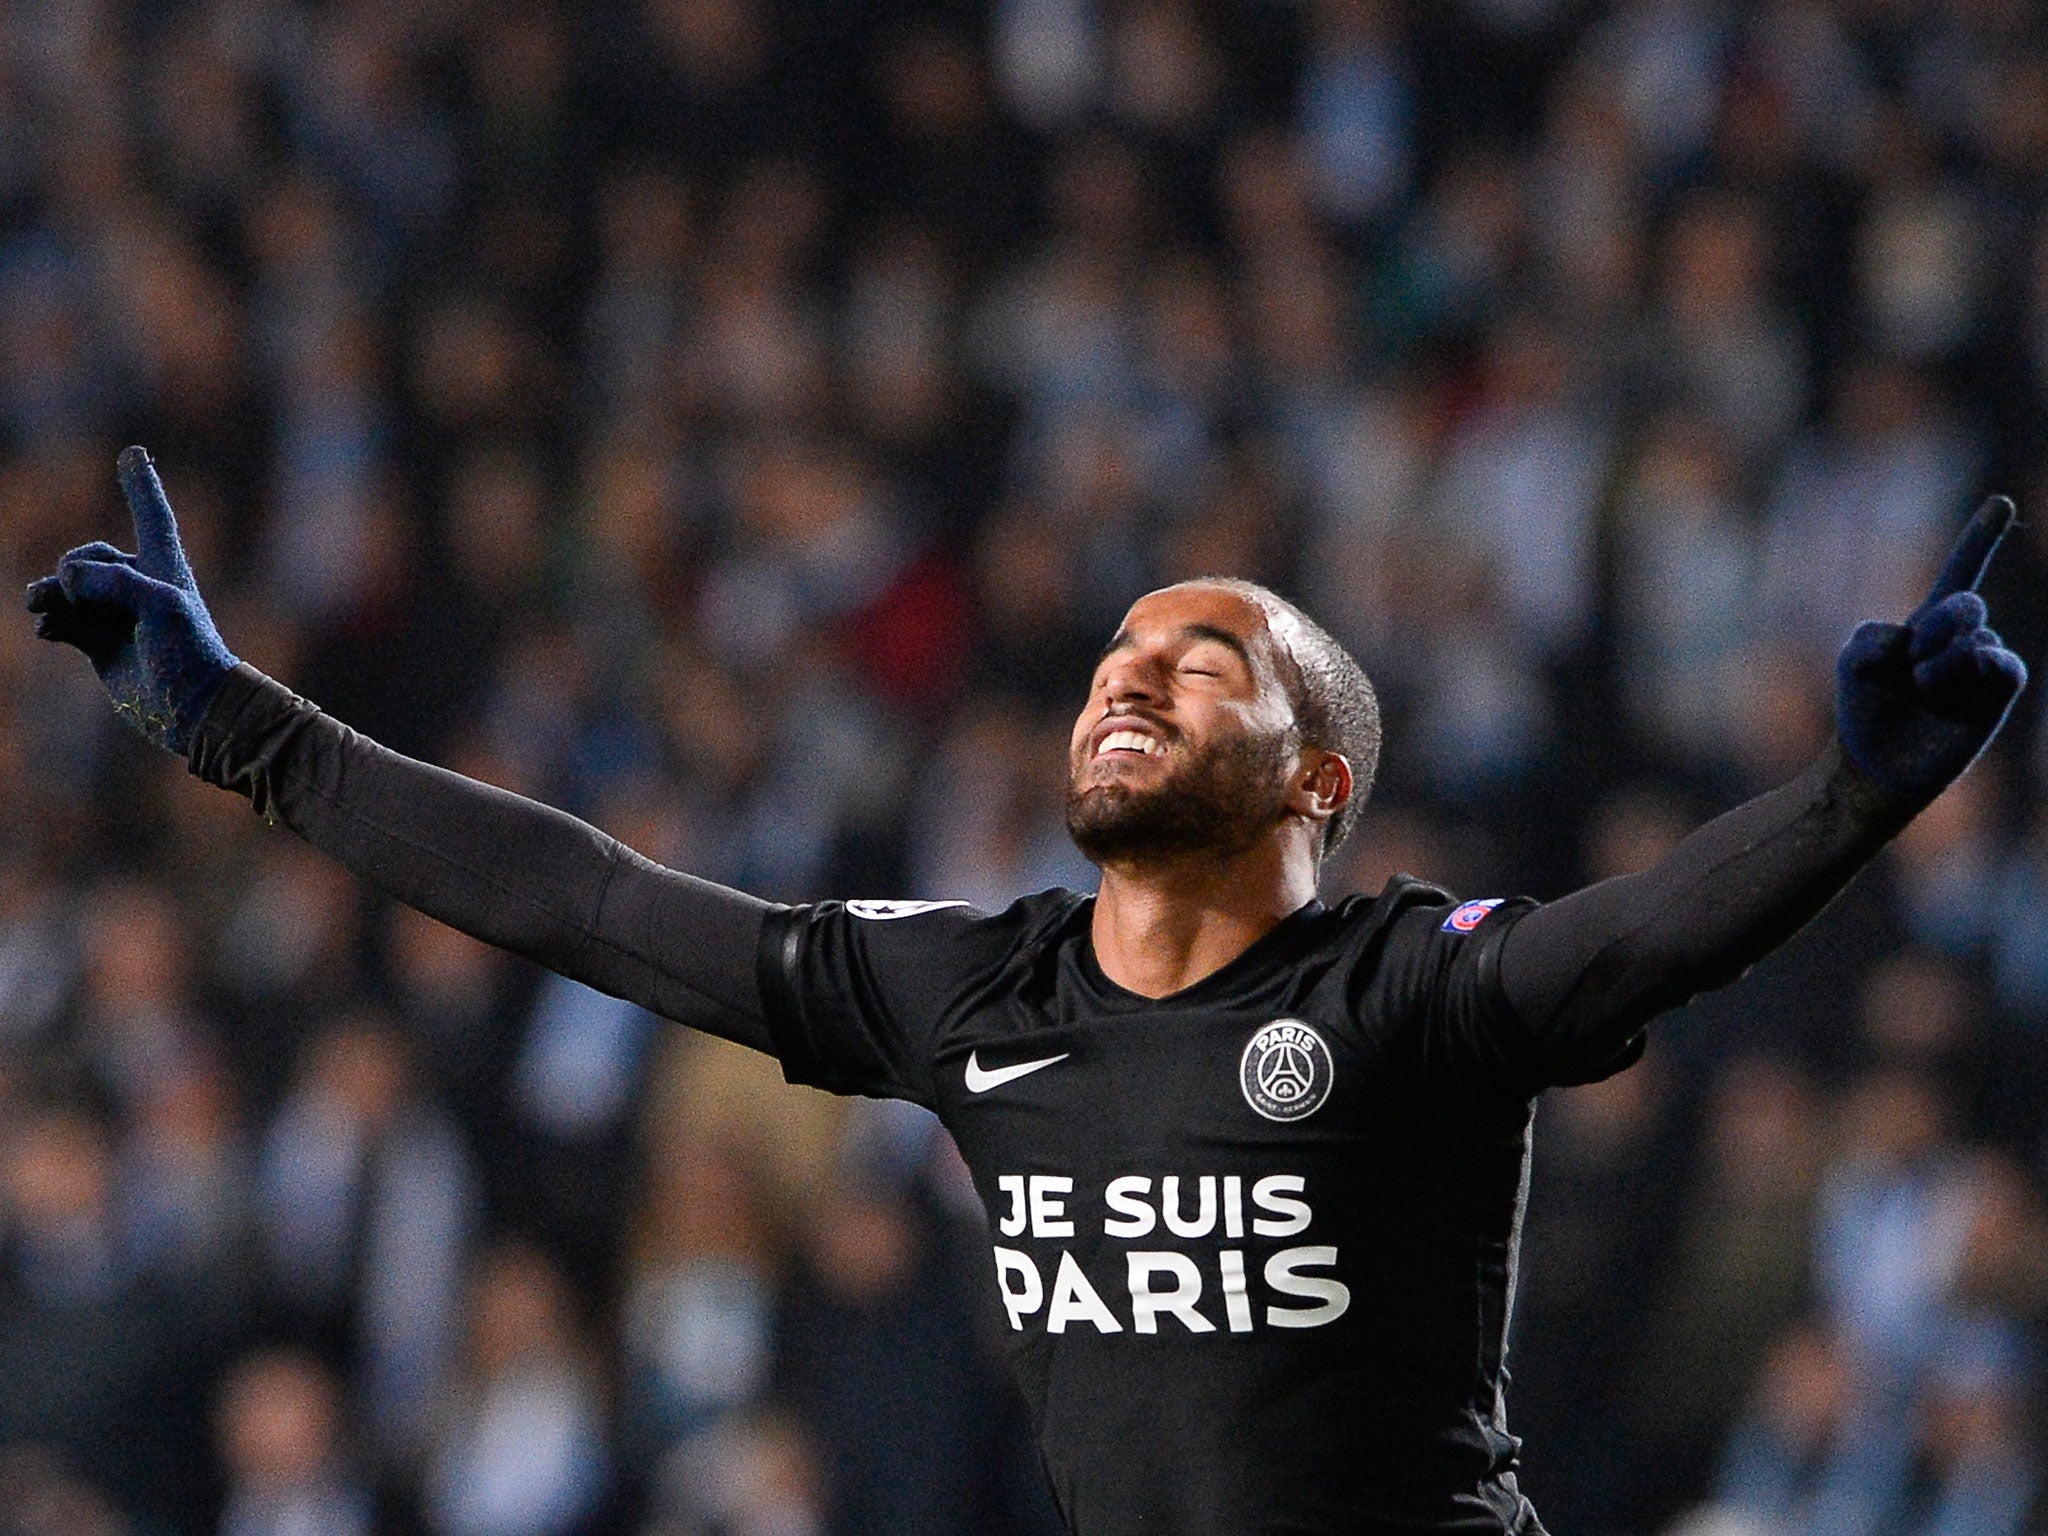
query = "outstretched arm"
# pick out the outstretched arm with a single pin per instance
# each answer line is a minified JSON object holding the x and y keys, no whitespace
{"x":503,"y":868}
{"x":500,"y":867}
{"x":1916,"y":703}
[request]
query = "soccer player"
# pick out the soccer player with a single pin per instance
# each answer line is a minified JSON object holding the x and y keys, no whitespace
{"x":1253,"y":1165}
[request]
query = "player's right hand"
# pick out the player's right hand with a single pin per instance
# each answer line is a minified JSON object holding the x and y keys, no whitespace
{"x":139,"y":618}
{"x":1917,"y":702}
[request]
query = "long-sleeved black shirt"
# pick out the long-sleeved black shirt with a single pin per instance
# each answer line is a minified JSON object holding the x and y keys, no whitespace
{"x":1254,"y":1240}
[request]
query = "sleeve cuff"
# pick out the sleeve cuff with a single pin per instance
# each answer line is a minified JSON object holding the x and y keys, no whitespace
{"x":1870,"y":806}
{"x":246,"y":724}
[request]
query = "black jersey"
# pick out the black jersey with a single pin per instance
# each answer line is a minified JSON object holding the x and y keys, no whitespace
{"x":1254,"y":1241}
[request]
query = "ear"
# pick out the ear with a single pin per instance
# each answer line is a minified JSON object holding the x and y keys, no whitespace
{"x":1321,"y":786}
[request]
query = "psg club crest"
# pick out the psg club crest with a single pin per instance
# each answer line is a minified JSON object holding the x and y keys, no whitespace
{"x":1286,"y":1071}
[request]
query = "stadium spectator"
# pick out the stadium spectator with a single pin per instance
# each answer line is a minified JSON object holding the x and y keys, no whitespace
{"x":287,"y":1467}
{"x":520,"y":1443}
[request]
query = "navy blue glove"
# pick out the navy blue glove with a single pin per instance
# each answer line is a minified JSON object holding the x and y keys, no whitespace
{"x":139,"y":618}
{"x":1917,"y":702}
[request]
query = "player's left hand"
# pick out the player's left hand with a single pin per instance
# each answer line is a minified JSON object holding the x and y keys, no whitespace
{"x":139,"y":618}
{"x":1917,"y":702}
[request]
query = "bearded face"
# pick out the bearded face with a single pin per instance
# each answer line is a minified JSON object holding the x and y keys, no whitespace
{"x":1217,"y":795}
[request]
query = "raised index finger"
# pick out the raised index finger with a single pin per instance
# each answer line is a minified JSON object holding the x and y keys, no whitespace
{"x":1978,"y":542}
{"x":156,"y":531}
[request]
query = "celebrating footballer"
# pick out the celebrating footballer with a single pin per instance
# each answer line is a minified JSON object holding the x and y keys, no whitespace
{"x":1253,"y":1165}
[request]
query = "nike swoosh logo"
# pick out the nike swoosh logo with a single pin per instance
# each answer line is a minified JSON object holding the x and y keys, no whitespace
{"x":980,"y":1079}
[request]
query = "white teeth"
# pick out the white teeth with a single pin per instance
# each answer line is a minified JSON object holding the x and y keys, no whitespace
{"x":1127,"y":741}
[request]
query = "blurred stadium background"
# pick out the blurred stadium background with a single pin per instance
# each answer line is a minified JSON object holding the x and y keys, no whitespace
{"x":740,"y":422}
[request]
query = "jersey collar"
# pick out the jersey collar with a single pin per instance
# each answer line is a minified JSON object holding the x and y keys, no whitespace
{"x":1232,"y":983}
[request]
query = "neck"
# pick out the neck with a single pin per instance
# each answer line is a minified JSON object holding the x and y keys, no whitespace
{"x":1162,"y":925}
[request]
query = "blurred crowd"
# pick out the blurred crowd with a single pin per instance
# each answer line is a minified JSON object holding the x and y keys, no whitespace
{"x":740,"y":422}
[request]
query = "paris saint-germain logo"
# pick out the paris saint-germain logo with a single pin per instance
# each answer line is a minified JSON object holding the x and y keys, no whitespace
{"x":1285,"y":1070}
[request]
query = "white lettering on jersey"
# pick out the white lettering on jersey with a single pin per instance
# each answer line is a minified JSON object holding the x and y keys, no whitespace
{"x":1332,"y":1296}
{"x":889,"y":911}
{"x":1012,"y":1222}
{"x":1048,"y":1214}
{"x":1147,"y":1303}
{"x":1169,"y":1207}
{"x":1271,"y":1194}
{"x":1164,"y":1283}
{"x":1237,"y":1300}
{"x":1074,"y":1300}
{"x":1126,"y":1196}
{"x":1024,"y":1298}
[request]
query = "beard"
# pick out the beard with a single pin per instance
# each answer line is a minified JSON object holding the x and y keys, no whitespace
{"x":1218,"y":800}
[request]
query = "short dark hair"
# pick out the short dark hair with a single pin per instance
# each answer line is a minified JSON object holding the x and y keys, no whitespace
{"x":1335,"y":707}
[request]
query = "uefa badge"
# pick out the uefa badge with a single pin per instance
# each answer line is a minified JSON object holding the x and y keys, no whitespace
{"x":1470,"y":915}
{"x":1286,"y":1071}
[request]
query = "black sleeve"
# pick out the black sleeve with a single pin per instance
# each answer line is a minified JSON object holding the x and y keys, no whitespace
{"x":1585,"y":974}
{"x":1437,"y":972}
{"x":859,"y":992}
{"x":503,"y":868}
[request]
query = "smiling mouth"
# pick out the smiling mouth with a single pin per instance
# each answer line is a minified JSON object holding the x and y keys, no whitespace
{"x":1129,"y":743}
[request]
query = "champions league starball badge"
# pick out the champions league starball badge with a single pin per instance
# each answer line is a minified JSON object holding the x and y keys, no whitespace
{"x":1286,"y":1071}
